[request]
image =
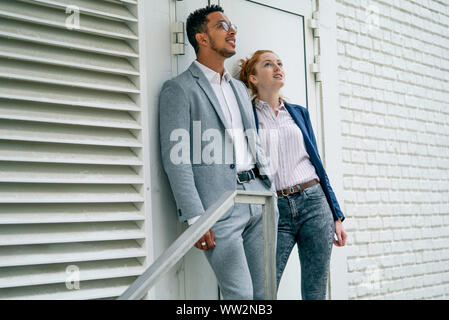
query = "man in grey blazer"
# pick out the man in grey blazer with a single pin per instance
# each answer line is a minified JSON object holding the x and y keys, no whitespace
{"x":209,"y":145}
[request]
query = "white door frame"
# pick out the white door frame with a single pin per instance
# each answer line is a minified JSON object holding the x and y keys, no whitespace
{"x":161,"y":65}
{"x":331,"y":134}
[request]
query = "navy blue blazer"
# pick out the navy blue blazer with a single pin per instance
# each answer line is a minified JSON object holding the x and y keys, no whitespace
{"x":301,"y":117}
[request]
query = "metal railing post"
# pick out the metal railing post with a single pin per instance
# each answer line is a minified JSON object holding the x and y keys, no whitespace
{"x":269,"y":247}
{"x":185,"y":242}
{"x":178,"y":248}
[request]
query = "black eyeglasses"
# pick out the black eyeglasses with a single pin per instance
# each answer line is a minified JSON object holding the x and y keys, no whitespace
{"x":226,"y":26}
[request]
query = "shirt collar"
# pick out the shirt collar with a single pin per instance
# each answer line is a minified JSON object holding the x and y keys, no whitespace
{"x":211,"y":75}
{"x":262,"y":104}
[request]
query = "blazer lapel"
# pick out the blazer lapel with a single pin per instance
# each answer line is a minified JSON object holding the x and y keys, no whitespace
{"x":255,"y":116}
{"x":246,"y":121}
{"x":206,"y":87}
{"x":248,"y":126}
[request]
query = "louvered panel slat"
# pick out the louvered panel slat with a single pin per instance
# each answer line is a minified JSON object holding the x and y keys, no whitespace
{"x":57,"y":273}
{"x":61,"y":213}
{"x":26,"y":131}
{"x":64,"y":38}
{"x":26,"y":91}
{"x":24,"y":172}
{"x":95,"y":289}
{"x":70,"y":193}
{"x":56,"y":153}
{"x":13,"y":256}
{"x":63,"y":233}
{"x":133,"y":2}
{"x":33,"y":52}
{"x":71,"y":169}
{"x":95,"y":8}
{"x":17,"y":70}
{"x":57,"y":18}
{"x":22,"y":110}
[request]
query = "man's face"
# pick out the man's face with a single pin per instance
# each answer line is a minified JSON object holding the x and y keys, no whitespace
{"x":221,"y":41}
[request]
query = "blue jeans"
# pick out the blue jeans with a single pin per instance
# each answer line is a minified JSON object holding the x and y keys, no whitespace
{"x":306,"y":219}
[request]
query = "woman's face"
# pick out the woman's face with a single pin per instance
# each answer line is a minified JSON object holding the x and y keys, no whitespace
{"x":270,"y":73}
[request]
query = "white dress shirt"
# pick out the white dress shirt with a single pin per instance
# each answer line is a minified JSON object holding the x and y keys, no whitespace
{"x":229,"y":105}
{"x":284,"y":146}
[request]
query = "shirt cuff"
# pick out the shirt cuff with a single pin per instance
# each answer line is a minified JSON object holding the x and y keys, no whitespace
{"x":192,"y":220}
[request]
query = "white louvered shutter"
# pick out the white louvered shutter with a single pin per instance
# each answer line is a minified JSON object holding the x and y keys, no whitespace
{"x":71,"y":181}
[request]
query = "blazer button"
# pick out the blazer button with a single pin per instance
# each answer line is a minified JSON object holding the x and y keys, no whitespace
{"x":232,"y":166}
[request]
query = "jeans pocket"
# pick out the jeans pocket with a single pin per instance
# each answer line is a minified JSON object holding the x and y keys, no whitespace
{"x":285,"y":221}
{"x":314,"y":192}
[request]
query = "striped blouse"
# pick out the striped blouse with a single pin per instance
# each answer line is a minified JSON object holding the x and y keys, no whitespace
{"x":284,"y":147}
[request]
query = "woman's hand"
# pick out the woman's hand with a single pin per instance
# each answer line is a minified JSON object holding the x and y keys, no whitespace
{"x":341,"y":234}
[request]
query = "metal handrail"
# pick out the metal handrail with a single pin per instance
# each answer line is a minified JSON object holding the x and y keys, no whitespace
{"x":188,"y":238}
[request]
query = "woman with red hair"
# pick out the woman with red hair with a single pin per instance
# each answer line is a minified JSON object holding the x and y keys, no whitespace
{"x":309,"y":213}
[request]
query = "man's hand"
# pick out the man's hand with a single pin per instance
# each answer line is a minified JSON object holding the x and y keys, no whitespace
{"x":341,"y":234}
{"x":207,"y":241}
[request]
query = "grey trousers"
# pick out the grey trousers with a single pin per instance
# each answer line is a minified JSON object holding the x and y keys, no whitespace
{"x":237,"y":258}
{"x":306,"y":219}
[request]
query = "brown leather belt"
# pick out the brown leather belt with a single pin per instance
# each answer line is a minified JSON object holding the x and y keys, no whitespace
{"x":297,"y":188}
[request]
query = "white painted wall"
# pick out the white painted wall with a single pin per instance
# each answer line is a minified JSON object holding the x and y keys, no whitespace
{"x":160,"y":66}
{"x":393,"y":81}
{"x":329,"y":135}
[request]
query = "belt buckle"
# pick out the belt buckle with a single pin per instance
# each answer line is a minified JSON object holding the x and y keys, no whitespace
{"x":240,"y":181}
{"x":249,"y":175}
{"x":292,"y":191}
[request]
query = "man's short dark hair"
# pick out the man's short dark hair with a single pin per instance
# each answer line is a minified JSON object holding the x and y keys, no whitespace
{"x":197,"y":23}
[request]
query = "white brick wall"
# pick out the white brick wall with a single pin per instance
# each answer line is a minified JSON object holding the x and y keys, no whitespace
{"x":394,"y":98}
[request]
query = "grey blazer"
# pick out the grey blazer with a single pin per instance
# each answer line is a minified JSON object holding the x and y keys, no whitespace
{"x":188,"y":110}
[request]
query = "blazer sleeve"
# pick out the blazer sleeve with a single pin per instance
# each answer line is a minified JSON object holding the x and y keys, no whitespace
{"x":174,"y":118}
{"x":330,"y":193}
